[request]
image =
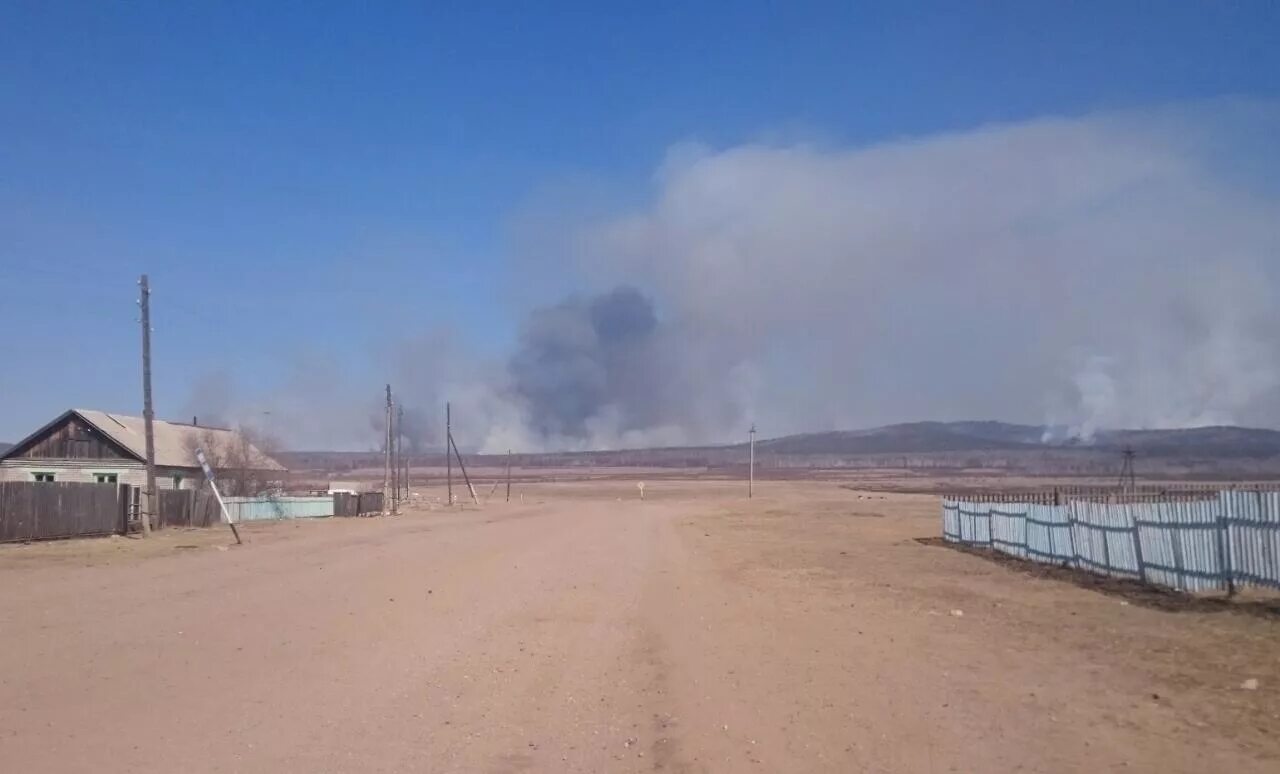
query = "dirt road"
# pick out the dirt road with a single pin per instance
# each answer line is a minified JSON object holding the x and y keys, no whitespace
{"x":804,"y":631}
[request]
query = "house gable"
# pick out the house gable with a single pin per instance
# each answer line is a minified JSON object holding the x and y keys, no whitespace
{"x":69,"y":437}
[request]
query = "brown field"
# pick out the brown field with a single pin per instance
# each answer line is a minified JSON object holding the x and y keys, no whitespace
{"x":580,"y":629}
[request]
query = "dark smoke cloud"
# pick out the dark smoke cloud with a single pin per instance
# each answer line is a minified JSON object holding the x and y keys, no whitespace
{"x":211,"y":398}
{"x":586,"y":358}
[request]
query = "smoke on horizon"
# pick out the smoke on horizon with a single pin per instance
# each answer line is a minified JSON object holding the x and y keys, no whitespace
{"x":1115,"y":269}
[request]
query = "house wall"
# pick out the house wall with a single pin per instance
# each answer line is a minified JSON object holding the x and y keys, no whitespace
{"x":83,"y":471}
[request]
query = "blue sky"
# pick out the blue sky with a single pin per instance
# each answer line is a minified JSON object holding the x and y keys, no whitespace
{"x":315,"y":181}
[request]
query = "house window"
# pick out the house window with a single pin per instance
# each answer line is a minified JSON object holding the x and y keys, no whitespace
{"x":177,"y":480}
{"x":43,"y":478}
{"x":106,"y":478}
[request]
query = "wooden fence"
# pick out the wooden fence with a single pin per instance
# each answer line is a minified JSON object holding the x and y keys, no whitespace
{"x":44,"y":510}
{"x":356,"y":504}
{"x":187,"y":508}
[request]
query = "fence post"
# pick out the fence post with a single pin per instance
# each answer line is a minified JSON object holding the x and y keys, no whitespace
{"x":1224,"y":546}
{"x":1175,"y":537}
{"x":1025,"y":544}
{"x":1071,"y":535}
{"x":1137,"y":548}
{"x":1106,"y":548}
{"x":122,"y":503}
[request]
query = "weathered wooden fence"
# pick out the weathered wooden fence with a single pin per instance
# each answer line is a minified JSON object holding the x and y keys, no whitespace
{"x":345,"y":504}
{"x":45,"y":510}
{"x":1230,"y":540}
{"x":187,"y":508}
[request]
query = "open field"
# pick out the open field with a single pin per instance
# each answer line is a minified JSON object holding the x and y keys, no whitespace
{"x":583,"y":630}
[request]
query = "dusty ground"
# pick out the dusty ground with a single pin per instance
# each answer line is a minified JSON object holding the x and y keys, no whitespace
{"x":804,"y":631}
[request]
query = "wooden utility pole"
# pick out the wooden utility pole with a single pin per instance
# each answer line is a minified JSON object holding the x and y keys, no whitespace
{"x":399,"y":449}
{"x":386,"y":465}
{"x":448,"y":449}
{"x":148,"y":415}
{"x":508,"y":475}
{"x":404,"y":480}
{"x":474,"y":497}
{"x":751,"y":466}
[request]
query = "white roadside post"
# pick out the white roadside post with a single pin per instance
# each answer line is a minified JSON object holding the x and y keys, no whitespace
{"x":208,"y":474}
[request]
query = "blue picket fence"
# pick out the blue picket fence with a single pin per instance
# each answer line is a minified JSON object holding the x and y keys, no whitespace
{"x":1212,"y":544}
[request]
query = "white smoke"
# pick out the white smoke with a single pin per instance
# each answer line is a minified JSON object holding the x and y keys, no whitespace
{"x":962,"y":275}
{"x":1108,"y":270}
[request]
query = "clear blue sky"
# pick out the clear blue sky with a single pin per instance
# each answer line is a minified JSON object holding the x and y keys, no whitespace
{"x":276,"y":166}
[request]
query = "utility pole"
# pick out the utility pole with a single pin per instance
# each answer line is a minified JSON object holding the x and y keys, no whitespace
{"x":448,"y":449}
{"x":751,"y":466}
{"x":386,"y":465}
{"x":508,"y":475}
{"x":1128,"y":482}
{"x":463,"y":468}
{"x":402,"y":467}
{"x":148,"y":414}
{"x":399,"y":450}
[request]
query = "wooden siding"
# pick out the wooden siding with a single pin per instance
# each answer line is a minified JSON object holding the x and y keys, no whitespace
{"x":71,"y":439}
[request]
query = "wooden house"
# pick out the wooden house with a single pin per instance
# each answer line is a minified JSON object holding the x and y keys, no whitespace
{"x":98,"y":447}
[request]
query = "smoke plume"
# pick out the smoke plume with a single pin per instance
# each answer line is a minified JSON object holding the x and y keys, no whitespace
{"x":583,"y":358}
{"x":1116,"y":269}
{"x":1110,"y":270}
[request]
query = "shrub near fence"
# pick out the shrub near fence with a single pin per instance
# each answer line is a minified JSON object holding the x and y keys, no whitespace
{"x":1201,"y":545}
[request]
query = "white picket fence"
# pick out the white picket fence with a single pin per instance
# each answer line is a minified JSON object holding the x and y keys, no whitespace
{"x":1204,"y":545}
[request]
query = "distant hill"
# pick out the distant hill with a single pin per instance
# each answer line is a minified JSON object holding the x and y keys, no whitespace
{"x":1220,"y":441}
{"x":909,"y":438}
{"x":930,"y":437}
{"x":917,"y":445}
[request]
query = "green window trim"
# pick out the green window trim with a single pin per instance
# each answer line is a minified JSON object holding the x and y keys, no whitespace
{"x":43,"y":477}
{"x":106,"y":478}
